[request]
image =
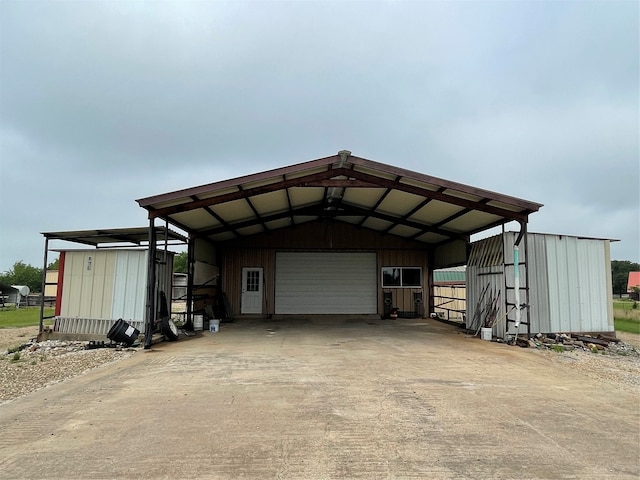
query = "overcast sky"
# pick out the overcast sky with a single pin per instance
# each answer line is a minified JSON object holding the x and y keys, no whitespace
{"x":102,"y":103}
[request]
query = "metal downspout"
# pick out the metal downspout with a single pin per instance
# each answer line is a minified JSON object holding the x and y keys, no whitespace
{"x":516,"y":273}
{"x":526,"y":279}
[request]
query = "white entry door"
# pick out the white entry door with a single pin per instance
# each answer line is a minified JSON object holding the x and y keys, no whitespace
{"x":251,"y":290}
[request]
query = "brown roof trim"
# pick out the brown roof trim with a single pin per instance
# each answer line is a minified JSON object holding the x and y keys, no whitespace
{"x":234,"y":182}
{"x":460,"y":187}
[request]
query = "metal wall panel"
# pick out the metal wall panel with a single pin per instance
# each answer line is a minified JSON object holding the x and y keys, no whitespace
{"x":569,"y":279}
{"x":88,"y":284}
{"x":404,"y":298}
{"x":234,"y":260}
{"x":579,"y":290}
{"x":94,"y":326}
{"x":326,"y":235}
{"x":129,"y":285}
{"x":315,"y":236}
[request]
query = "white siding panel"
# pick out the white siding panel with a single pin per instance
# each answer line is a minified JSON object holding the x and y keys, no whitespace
{"x":569,"y":280}
{"x":325,"y":283}
{"x":87,"y":285}
{"x":129,"y":285}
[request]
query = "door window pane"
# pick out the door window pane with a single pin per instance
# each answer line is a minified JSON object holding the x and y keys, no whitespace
{"x":253,"y":281}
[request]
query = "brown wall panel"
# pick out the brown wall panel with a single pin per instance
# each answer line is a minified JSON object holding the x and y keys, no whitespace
{"x":326,"y":235}
{"x":260,"y":251}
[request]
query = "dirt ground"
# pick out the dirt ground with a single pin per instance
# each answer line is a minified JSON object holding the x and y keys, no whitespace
{"x":327,"y":399}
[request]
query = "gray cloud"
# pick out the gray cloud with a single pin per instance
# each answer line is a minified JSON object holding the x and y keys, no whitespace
{"x":105,"y":102}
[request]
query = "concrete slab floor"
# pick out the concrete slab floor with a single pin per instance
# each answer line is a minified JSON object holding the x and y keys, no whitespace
{"x":325,"y":399}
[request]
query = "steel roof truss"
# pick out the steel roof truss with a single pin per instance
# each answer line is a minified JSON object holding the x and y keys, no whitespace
{"x":304,"y":181}
{"x":440,"y":196}
{"x":390,"y":218}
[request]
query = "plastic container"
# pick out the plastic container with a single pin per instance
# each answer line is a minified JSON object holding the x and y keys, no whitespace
{"x":214,"y":325}
{"x":198,"y":322}
{"x":486,"y":333}
{"x":122,"y":332}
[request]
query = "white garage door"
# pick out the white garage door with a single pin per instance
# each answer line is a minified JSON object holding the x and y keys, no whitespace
{"x":325,"y":283}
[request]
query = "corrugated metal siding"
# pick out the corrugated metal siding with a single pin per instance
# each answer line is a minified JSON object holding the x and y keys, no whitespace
{"x":326,"y":235}
{"x":486,"y":252}
{"x":86,"y":293}
{"x":260,"y":251}
{"x":483,"y":284}
{"x":578,"y":290}
{"x":325,"y":283}
{"x":404,"y":298}
{"x":485,"y":279}
{"x":450,"y":276}
{"x":129,"y":285}
{"x":570,"y":284}
{"x":538,"y":257}
{"x":96,"y":326}
{"x":232,"y":263}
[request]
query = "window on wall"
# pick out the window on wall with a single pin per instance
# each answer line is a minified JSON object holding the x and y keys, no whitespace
{"x":401,"y":277}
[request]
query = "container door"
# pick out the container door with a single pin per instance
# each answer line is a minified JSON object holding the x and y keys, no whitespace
{"x":251,"y":290}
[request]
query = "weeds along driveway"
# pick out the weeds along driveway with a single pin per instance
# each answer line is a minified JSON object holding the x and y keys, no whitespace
{"x":325,"y":399}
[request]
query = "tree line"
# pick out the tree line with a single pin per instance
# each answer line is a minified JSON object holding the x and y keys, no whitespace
{"x":24,"y":274}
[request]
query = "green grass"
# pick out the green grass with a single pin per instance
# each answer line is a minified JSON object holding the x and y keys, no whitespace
{"x":627,"y":325}
{"x":625,"y":304}
{"x":23,"y":317}
{"x":624,"y":309}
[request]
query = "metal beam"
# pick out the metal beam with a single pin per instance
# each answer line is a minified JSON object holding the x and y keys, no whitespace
{"x":437,"y":195}
{"x":240,"y":194}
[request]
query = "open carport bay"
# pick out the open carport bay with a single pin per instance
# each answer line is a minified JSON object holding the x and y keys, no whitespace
{"x":326,"y":398}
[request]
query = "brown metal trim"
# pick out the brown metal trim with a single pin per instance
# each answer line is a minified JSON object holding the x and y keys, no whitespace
{"x":255,"y":212}
{"x":493,"y":196}
{"x":342,"y":183}
{"x":408,"y":214}
{"x":384,"y":195}
{"x":437,"y":195}
{"x":420,"y":226}
{"x":240,"y":194}
{"x":234,"y":182}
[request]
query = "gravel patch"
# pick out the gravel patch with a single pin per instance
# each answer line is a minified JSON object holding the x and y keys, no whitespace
{"x":619,"y":370}
{"x":26,"y":365}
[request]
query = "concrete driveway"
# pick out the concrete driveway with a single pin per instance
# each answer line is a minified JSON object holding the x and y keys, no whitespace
{"x":325,"y":399}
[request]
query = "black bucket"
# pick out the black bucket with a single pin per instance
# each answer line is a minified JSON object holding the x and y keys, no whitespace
{"x":122,"y":332}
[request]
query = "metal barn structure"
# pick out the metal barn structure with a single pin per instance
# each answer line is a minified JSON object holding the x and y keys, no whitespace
{"x":555,"y":284}
{"x":337,"y":235}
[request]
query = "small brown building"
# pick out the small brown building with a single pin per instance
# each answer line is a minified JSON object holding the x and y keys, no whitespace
{"x":337,"y":235}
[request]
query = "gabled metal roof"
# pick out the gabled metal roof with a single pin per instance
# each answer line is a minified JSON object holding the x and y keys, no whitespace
{"x":344,"y":188}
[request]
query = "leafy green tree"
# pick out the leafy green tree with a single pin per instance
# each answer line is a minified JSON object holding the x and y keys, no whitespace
{"x":23,"y":274}
{"x":180,"y":263}
{"x":55,"y":265}
{"x":620,"y":274}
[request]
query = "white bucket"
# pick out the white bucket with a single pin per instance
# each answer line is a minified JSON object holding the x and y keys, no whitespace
{"x":197,"y":322}
{"x":486,"y":333}
{"x":214,"y":325}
